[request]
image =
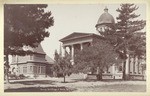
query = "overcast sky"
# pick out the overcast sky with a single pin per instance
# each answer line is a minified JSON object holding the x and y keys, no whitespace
{"x":78,"y":18}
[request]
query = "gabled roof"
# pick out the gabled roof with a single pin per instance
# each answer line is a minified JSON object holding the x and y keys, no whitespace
{"x":39,"y":49}
{"x":75,"y":35}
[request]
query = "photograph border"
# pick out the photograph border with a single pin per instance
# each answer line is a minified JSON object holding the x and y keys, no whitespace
{"x":147,"y":2}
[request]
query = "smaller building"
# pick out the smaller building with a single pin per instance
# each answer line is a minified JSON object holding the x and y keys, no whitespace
{"x":35,"y":65}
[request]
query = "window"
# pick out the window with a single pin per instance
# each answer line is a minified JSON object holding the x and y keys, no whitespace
{"x":31,"y":68}
{"x":42,"y":70}
{"x":120,"y":68}
{"x":31,"y":57}
{"x":24,"y":69}
{"x":34,"y":69}
{"x":38,"y":70}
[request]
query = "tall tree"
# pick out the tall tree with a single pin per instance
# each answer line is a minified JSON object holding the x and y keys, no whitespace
{"x":62,"y":64}
{"x":56,"y":67}
{"x":24,"y":25}
{"x":127,"y":29}
{"x":98,"y":56}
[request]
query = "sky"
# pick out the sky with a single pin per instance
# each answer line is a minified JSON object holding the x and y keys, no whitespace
{"x":69,"y":18}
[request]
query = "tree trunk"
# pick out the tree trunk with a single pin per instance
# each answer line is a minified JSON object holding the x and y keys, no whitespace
{"x":124,"y":65}
{"x":129,"y":66}
{"x":99,"y":74}
{"x":107,"y":68}
{"x":6,"y":69}
{"x":124,"y":70}
{"x":64,"y":78}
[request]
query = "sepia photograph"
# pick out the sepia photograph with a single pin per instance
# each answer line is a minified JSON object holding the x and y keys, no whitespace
{"x":75,"y":47}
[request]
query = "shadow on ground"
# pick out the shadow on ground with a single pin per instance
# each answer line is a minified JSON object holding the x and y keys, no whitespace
{"x":41,"y":89}
{"x":103,"y":80}
{"x":34,"y":82}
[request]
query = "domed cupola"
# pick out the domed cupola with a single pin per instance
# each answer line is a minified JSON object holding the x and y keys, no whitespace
{"x":105,"y":22}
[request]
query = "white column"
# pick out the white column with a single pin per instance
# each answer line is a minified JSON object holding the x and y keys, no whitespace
{"x":64,"y":50}
{"x":113,"y":70}
{"x":136,"y":65}
{"x":72,"y":53}
{"x":97,"y":71}
{"x":131,"y":65}
{"x":81,"y":46}
{"x":127,"y":65}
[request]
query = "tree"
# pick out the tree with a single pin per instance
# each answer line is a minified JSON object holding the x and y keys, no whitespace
{"x":55,"y":67}
{"x":62,"y":65}
{"x":24,"y":25}
{"x":127,"y":29}
{"x":138,"y":48}
{"x":98,"y":56}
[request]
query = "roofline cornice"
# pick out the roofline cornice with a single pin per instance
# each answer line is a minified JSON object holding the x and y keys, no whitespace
{"x":45,"y":62}
{"x":90,"y":34}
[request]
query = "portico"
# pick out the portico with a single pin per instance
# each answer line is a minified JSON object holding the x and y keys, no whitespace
{"x":77,"y":41}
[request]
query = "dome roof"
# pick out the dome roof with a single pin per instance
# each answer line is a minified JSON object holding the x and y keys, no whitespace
{"x":105,"y":18}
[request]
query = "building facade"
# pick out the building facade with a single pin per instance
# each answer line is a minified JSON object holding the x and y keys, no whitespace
{"x":78,"y":40}
{"x":32,"y":66}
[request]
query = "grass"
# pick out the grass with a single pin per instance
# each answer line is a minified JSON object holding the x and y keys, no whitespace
{"x":115,"y":88}
{"x":72,"y":85}
{"x":41,"y":89}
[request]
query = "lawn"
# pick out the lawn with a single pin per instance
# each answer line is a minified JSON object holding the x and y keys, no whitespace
{"x":73,"y":85}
